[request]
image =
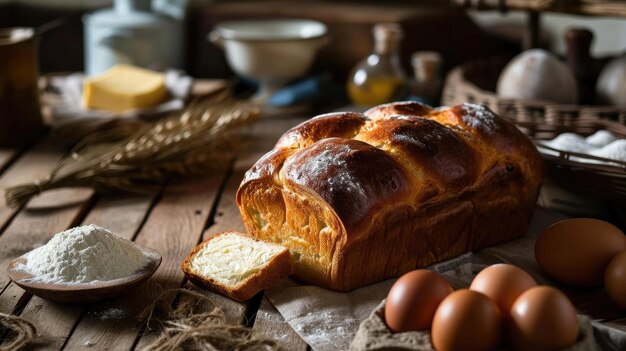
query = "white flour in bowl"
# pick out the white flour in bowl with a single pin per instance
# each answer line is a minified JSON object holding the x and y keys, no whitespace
{"x":84,"y":255}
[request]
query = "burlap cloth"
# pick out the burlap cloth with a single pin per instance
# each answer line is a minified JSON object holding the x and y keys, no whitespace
{"x":373,"y":335}
{"x":329,"y":320}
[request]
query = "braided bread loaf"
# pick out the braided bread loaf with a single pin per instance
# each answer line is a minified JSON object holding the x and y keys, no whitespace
{"x":358,"y":198}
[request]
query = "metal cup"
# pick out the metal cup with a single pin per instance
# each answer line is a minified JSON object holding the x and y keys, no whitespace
{"x":20,"y":112}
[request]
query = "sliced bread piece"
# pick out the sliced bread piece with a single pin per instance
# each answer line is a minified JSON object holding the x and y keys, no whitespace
{"x":237,"y":265}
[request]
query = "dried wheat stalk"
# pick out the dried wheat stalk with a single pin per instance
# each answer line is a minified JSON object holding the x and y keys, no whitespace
{"x":193,"y":140}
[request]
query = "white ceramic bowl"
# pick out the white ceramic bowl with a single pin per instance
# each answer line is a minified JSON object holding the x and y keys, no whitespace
{"x":272,"y":52}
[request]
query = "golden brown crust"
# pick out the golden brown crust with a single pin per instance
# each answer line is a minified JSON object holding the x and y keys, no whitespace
{"x":358,"y":199}
{"x":427,"y":145}
{"x":279,"y":267}
{"x":337,"y":124}
{"x":404,"y":108}
{"x":340,"y":172}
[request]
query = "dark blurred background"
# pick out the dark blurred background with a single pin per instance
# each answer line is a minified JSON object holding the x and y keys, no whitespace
{"x":430,"y":25}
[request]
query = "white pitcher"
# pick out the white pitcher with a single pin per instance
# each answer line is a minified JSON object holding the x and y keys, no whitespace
{"x":146,"y":33}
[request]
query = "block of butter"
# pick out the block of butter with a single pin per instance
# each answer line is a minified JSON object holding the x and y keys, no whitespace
{"x":124,"y":87}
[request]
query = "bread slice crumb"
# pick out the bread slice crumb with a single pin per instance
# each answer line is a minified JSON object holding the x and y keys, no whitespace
{"x":237,"y":265}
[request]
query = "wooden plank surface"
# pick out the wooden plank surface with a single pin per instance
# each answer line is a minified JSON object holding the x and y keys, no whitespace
{"x":269,"y":322}
{"x":33,"y":164}
{"x":7,"y":156}
{"x":173,"y":228}
{"x":43,"y":216}
{"x":88,"y":327}
{"x":222,"y":219}
{"x":178,"y":220}
{"x":12,"y":297}
{"x":227,"y":217}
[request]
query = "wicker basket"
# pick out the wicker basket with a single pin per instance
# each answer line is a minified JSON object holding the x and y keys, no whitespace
{"x":578,"y":172}
{"x":475,"y":82}
{"x":613,"y":8}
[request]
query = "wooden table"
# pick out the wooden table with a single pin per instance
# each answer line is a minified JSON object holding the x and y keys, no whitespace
{"x":171,"y":220}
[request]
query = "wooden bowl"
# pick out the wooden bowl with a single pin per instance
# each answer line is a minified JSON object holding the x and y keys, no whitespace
{"x":83,"y":292}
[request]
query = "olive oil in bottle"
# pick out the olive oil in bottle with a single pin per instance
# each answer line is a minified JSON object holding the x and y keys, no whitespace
{"x":379,"y":77}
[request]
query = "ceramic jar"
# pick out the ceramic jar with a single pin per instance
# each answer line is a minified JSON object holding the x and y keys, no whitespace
{"x":133,"y":32}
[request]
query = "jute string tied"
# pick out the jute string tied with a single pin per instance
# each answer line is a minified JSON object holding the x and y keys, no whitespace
{"x":196,"y":323}
{"x":15,"y":332}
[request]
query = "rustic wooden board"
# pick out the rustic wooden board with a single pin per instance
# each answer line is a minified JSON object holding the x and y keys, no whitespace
{"x":265,"y":133}
{"x":269,"y":322}
{"x":178,"y":220}
{"x":173,"y":228}
{"x":7,"y":156}
{"x":54,"y":322}
{"x":34,"y":164}
{"x":45,"y":215}
{"x":12,"y":297}
{"x":227,"y":215}
{"x":226,"y":218}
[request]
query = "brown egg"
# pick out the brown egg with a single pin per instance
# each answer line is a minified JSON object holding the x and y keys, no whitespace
{"x":413,"y":299}
{"x":466,"y":320}
{"x":615,"y":279}
{"x":503,"y":283}
{"x":542,"y":318}
{"x":577,"y":251}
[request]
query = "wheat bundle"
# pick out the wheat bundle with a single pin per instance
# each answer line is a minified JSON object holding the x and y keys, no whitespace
{"x":193,"y":140}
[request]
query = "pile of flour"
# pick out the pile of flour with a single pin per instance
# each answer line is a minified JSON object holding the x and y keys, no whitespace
{"x":602,"y":144}
{"x":83,"y":255}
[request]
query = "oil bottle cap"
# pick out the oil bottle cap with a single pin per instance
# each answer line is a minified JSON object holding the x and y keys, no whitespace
{"x":386,"y":37}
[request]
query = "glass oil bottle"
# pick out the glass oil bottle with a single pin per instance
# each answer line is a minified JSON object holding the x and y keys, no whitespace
{"x":379,"y":78}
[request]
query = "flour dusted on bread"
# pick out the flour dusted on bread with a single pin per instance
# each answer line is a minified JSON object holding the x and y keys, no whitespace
{"x":237,"y":265}
{"x":84,"y":254}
